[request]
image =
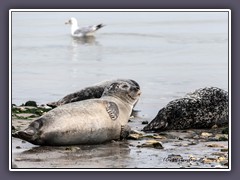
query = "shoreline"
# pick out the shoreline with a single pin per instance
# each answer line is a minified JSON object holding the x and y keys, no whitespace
{"x":192,"y":148}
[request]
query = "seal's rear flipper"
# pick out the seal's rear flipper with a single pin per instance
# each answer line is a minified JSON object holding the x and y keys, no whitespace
{"x":27,"y":134}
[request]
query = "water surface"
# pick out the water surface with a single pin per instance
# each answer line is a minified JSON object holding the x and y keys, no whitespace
{"x":168,"y":53}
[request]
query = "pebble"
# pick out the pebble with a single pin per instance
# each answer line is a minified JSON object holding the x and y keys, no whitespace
{"x":144,"y":122}
{"x":221,"y":137}
{"x":72,"y":149}
{"x":134,"y":136}
{"x":214,"y":126}
{"x":18,"y":159}
{"x":174,"y":158}
{"x":208,"y":160}
{"x":193,"y":143}
{"x":215,"y":145}
{"x":219,"y":153}
{"x":205,"y":134}
{"x":152,"y":143}
{"x":224,"y":150}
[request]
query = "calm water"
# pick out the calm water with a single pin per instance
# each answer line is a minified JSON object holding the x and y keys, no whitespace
{"x":168,"y":53}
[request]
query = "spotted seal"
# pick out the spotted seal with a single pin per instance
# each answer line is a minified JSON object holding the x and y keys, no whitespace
{"x":198,"y":110}
{"x":90,"y":92}
{"x":92,"y":121}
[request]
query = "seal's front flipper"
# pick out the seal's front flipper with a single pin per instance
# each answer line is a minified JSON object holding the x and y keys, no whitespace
{"x":125,"y":131}
{"x":156,"y":126}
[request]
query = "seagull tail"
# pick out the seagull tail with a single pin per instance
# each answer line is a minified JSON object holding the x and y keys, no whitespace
{"x":99,"y":26}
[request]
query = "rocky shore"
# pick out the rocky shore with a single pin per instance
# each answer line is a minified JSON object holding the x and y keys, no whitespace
{"x":193,"y":148}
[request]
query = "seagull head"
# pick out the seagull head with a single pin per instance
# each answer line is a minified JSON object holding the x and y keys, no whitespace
{"x":72,"y":21}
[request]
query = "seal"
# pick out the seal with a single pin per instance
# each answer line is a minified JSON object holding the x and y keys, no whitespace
{"x":91,"y":92}
{"x":198,"y":110}
{"x":92,"y":121}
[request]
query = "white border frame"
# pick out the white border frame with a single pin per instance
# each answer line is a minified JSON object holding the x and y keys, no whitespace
{"x":120,"y":10}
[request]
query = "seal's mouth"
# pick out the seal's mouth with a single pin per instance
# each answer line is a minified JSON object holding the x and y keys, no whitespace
{"x":134,"y":97}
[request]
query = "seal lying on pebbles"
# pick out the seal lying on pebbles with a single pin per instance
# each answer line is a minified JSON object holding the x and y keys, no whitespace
{"x":90,"y":92}
{"x":200,"y":109}
{"x":92,"y":121}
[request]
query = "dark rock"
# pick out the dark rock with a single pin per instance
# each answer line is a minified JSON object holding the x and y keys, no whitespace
{"x":225,"y":130}
{"x":31,"y":103}
{"x":144,"y":122}
{"x":174,"y":158}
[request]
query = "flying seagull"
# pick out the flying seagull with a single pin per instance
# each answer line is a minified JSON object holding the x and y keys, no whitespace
{"x":84,"y":31}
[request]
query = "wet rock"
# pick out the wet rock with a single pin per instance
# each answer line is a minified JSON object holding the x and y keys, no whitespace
{"x":152,"y":143}
{"x":72,"y":148}
{"x":26,"y":116}
{"x":18,"y":159}
{"x":221,"y":137}
{"x":219,"y":154}
{"x":225,"y":130}
{"x":208,"y":160}
{"x":222,"y":159}
{"x":174,"y":158}
{"x":25,"y":112}
{"x":181,"y":144}
{"x":196,"y":137}
{"x":224,"y":150}
{"x":215,"y":145}
{"x":214,"y":126}
{"x":133,"y":131}
{"x":193,"y":143}
{"x":192,"y":158}
{"x":31,"y":103}
{"x":159,"y":137}
{"x":144,"y":122}
{"x":206,"y":134}
{"x":224,"y":163}
{"x":135,"y":136}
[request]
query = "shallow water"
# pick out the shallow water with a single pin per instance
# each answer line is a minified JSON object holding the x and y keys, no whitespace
{"x":168,"y":53}
{"x":122,"y":154}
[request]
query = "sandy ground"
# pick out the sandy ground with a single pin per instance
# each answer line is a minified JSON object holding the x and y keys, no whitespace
{"x":180,"y":149}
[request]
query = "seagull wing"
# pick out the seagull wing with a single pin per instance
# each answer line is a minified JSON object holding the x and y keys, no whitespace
{"x":87,"y":30}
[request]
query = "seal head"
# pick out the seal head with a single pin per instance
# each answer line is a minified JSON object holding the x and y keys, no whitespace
{"x":126,"y":91}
